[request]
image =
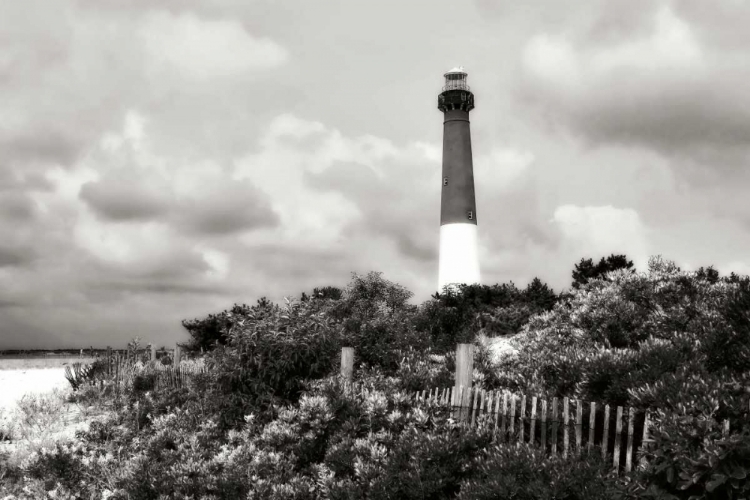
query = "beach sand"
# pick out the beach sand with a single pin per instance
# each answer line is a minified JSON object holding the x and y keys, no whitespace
{"x":15,"y":383}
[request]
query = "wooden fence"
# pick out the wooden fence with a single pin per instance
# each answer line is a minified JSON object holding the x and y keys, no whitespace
{"x":122,"y":372}
{"x":557,"y":425}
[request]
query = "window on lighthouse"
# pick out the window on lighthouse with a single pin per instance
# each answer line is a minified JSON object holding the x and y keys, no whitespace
{"x":471,"y":215}
{"x":445,"y":181}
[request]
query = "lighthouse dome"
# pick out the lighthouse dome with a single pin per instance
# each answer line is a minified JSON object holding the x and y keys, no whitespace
{"x":456,"y":70}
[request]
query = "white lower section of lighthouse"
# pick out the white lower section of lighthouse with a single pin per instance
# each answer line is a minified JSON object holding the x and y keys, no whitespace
{"x":459,"y":255}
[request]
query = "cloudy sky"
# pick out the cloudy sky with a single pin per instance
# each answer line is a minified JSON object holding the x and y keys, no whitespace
{"x":161,"y":160}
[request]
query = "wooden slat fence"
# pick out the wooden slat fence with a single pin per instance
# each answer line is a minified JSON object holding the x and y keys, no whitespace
{"x":122,"y":370}
{"x":557,"y":425}
{"x":564,"y":427}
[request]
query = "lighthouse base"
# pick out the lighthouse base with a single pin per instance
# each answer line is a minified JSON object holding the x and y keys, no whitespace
{"x":459,"y":255}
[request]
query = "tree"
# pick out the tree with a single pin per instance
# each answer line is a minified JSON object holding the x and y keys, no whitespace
{"x":709,"y":274}
{"x":586,"y":270}
{"x":538,"y":294}
{"x":327,"y":292}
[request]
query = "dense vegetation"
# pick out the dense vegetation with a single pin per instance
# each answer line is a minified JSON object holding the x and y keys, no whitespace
{"x":271,"y":420}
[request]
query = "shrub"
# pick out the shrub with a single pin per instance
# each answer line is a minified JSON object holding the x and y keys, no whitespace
{"x":618,"y":334}
{"x":687,"y":458}
{"x":456,"y":315}
{"x":728,"y":343}
{"x":586,"y":270}
{"x":525,"y":473}
{"x":268,"y":357}
{"x":143,"y":382}
{"x":208,"y":332}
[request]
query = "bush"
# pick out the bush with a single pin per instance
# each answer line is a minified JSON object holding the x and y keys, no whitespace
{"x":271,"y":419}
{"x":268,"y":357}
{"x":688,"y":458}
{"x":144,"y":382}
{"x":525,"y":473}
{"x":207,"y":333}
{"x":621,"y":333}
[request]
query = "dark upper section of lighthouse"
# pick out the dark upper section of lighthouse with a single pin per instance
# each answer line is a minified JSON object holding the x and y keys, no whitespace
{"x":457,"y":203}
{"x":456,"y":93}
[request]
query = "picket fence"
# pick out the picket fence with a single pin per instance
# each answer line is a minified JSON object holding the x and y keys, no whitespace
{"x":122,"y":371}
{"x":576,"y":426}
{"x":542,"y":423}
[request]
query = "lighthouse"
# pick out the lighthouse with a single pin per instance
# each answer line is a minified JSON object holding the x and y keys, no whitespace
{"x":459,"y":259}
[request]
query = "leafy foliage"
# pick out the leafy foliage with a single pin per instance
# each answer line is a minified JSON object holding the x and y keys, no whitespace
{"x":586,"y":270}
{"x":213,"y":330}
{"x":457,"y":314}
{"x":688,"y":458}
{"x":270,"y":419}
{"x":525,"y":473}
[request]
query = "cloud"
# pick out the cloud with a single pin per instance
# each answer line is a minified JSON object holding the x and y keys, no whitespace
{"x":122,"y":201}
{"x":165,"y":160}
{"x":656,"y":88}
{"x":16,"y":206}
{"x":600,"y":231}
{"x":14,"y":257}
{"x":204,"y":49}
{"x":226,"y":207}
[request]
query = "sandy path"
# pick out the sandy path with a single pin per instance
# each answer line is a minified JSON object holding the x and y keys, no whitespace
{"x":15,"y":383}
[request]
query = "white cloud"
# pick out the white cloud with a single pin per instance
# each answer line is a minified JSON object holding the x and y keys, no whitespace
{"x":600,"y":231}
{"x":219,"y":262}
{"x":205,"y":49}
{"x":737,"y":267}
{"x":657,"y":87}
{"x":501,"y":168}
{"x":639,"y":66}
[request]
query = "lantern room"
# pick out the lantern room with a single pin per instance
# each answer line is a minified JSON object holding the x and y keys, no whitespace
{"x":455,"y":79}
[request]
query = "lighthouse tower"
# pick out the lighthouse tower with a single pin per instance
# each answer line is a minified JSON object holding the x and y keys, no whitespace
{"x":459,"y":259}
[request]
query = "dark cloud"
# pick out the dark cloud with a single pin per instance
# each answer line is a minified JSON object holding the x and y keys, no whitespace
{"x":116,"y":288}
{"x":425,"y":251}
{"x":15,"y":257}
{"x":16,"y":206}
{"x":41,"y":144}
{"x":227,"y":207}
{"x":671,"y":117}
{"x":126,"y":201}
{"x":18,"y":332}
{"x":649,"y":82}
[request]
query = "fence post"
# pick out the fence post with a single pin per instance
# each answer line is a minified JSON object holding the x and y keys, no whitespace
{"x":644,"y":443}
{"x":592,"y":427}
{"x":544,"y":425}
{"x":177,"y":355}
{"x":153,"y":352}
{"x":464,"y":371}
{"x":605,"y":432}
{"x":347,"y":363}
{"x":629,"y":452}
{"x":618,"y":433}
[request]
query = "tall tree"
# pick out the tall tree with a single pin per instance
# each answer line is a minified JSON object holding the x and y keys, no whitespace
{"x":538,"y":294}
